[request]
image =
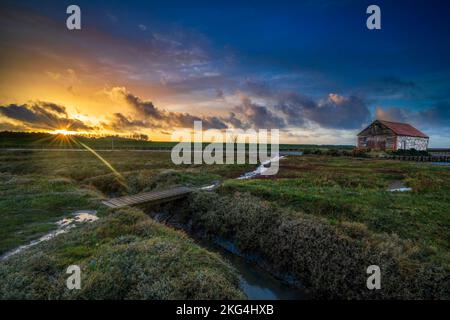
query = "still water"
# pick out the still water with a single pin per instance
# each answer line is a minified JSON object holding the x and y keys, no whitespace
{"x":258,"y":284}
{"x":441,"y":163}
{"x":63,"y":226}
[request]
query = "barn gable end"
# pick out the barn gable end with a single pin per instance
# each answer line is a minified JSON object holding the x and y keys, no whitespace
{"x":386,"y":135}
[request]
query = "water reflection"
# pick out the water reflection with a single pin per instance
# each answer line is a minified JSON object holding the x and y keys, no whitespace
{"x":63,"y":226}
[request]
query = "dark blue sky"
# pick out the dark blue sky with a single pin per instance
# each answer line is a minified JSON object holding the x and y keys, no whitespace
{"x":286,"y":57}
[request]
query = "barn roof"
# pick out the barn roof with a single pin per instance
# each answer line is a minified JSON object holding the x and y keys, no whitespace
{"x":400,"y":129}
{"x":403,"y":129}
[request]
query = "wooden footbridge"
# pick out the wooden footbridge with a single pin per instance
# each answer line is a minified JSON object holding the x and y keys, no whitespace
{"x":149,"y":197}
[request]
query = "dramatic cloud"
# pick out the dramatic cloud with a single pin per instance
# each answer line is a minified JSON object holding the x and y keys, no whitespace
{"x":334,"y":112}
{"x":293,"y":105}
{"x":392,"y":114}
{"x":256,"y":116}
{"x":119,"y":122}
{"x":291,"y":110}
{"x":299,"y":110}
{"x":152,"y":117}
{"x":144,"y":108}
{"x":42,"y":115}
{"x":437,"y":116}
{"x":338,"y":112}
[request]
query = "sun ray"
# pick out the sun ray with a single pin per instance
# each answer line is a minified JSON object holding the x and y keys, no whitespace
{"x":119,"y":177}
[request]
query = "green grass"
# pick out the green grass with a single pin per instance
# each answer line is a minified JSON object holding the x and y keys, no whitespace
{"x":36,"y":140}
{"x":125,"y":255}
{"x":330,"y":259}
{"x":323,"y":207}
{"x":347,"y":189}
{"x":29,"y":206}
{"x":38,"y":188}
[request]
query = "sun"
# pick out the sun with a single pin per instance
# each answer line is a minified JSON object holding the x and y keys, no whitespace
{"x":64,"y":132}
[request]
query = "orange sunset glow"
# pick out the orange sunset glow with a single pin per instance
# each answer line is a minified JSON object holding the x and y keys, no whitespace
{"x":156,"y":73}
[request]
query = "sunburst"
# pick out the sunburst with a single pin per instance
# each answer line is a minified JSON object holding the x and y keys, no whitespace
{"x":64,"y":132}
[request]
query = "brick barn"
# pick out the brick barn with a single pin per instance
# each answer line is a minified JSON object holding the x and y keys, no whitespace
{"x":386,"y":135}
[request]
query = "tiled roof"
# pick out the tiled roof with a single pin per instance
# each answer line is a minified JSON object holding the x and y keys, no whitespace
{"x":403,"y":129}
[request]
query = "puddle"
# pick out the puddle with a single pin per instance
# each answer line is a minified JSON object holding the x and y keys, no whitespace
{"x":398,"y":186}
{"x":291,"y":153}
{"x":210,"y":187}
{"x":63,"y":226}
{"x":261,"y":169}
{"x":441,"y":163}
{"x":78,"y":216}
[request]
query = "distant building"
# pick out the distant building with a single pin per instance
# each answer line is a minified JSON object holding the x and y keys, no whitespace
{"x":386,"y":135}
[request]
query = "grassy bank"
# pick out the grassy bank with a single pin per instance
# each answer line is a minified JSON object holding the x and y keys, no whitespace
{"x":31,"y":204}
{"x":348,"y":189}
{"x":324,"y":220}
{"x":329,"y":259}
{"x":321,"y":219}
{"x":125,"y":255}
{"x":38,"y":188}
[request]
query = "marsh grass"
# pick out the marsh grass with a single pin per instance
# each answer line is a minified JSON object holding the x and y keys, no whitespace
{"x":125,"y":255}
{"x":37,"y":188}
{"x":323,"y":219}
{"x":31,"y":204}
{"x":329,"y":259}
{"x":347,"y":189}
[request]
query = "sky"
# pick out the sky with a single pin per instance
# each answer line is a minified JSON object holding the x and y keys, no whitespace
{"x":311,"y":69}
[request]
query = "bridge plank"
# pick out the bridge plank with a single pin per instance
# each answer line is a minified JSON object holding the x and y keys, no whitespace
{"x":147,"y":197}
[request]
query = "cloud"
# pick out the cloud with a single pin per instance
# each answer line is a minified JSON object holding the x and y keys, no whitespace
{"x":391,"y":114}
{"x":338,"y":112}
{"x":120,"y":122}
{"x":173,"y":52}
{"x":256,"y":116}
{"x":149,"y":116}
{"x":290,"y":110}
{"x":245,"y":115}
{"x":235,"y":122}
{"x":220,"y":94}
{"x":258,"y":87}
{"x":42,"y":115}
{"x":144,"y":108}
{"x":437,"y":115}
{"x":6,"y":126}
{"x":392,"y":87}
{"x":293,"y":106}
{"x":434,"y":117}
{"x":333,"y":112}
